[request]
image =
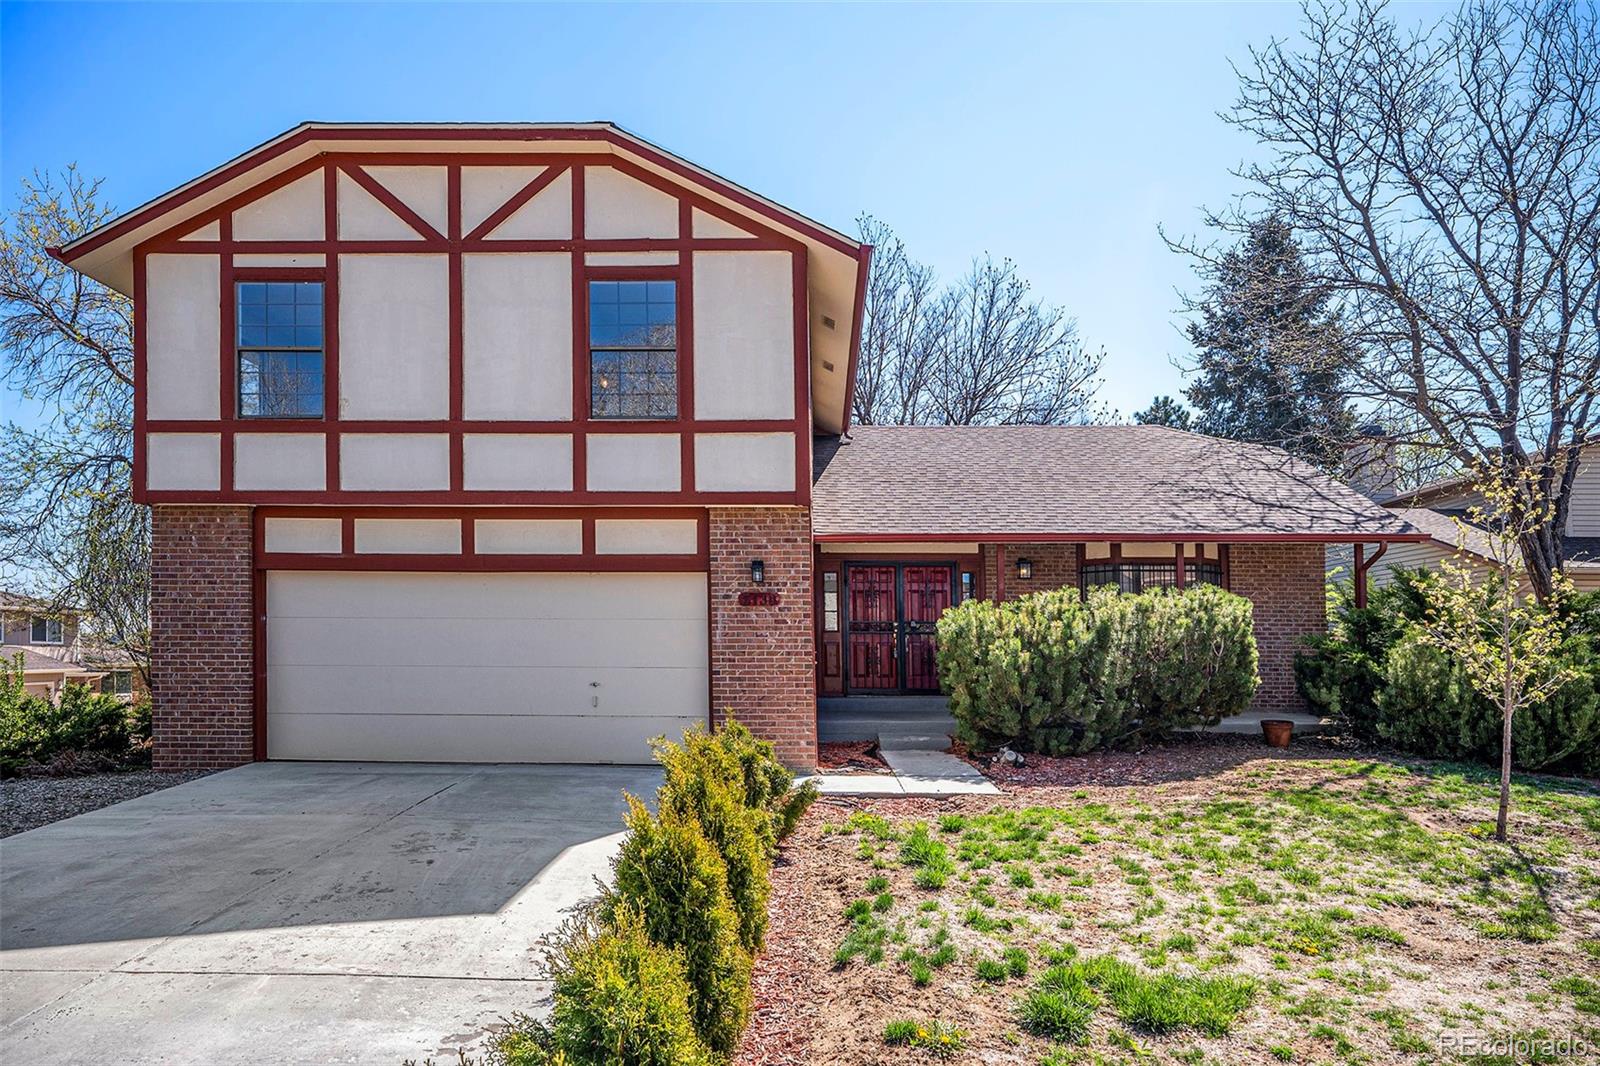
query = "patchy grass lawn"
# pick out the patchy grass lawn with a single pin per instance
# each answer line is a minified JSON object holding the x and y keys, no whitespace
{"x":1265,"y":908}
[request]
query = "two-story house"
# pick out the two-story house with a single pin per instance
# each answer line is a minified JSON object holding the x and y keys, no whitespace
{"x":531,"y":442}
{"x":48,"y":641}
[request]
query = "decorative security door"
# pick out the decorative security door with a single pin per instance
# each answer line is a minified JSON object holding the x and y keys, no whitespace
{"x":874,"y":629}
{"x":927,"y":591}
{"x":890,"y":619}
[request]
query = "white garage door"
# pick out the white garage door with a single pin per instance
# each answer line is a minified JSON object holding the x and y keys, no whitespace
{"x":482,"y":667}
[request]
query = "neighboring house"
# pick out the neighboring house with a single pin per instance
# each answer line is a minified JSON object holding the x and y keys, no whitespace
{"x":47,"y":640}
{"x":1435,"y":509}
{"x":531,"y":442}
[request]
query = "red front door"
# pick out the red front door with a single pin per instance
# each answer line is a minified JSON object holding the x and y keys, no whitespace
{"x":890,"y":618}
{"x":874,"y":629}
{"x":928,"y":591}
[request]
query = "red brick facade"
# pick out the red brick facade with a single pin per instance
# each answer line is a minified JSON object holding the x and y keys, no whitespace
{"x":763,"y":658}
{"x":1054,"y":566}
{"x":1285,"y":583}
{"x":201,"y":636}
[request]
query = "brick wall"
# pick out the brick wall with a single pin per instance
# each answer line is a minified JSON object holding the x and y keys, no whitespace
{"x":1054,"y":565}
{"x":763,"y":658}
{"x":1284,"y":582}
{"x":201,"y":637}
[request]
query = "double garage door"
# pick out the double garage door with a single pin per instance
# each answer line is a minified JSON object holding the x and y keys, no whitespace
{"x":483,"y":667}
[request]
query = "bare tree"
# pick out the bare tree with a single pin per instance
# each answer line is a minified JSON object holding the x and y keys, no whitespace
{"x":68,"y":522}
{"x":979,"y":351}
{"x":1444,"y":184}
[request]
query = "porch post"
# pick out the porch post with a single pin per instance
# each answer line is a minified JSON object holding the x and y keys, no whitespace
{"x":999,"y":573}
{"x":1361,"y":576}
{"x":1181,"y":574}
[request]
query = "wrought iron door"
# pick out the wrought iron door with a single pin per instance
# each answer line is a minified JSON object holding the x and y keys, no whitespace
{"x":874,"y":629}
{"x":890,"y":618}
{"x":927,"y":592}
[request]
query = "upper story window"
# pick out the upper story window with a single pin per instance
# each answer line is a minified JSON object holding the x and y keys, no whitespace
{"x":280,"y":349}
{"x":633,"y":349}
{"x":46,"y":630}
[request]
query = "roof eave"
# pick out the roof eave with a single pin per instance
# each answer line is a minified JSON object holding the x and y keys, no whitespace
{"x":1041,"y":537}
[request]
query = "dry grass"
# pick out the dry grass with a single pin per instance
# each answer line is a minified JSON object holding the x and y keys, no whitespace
{"x":1303,"y":908}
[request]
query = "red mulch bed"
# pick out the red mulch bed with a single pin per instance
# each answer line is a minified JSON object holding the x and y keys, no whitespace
{"x":857,"y":755}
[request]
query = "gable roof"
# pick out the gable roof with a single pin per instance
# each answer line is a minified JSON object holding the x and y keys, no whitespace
{"x":836,"y":264}
{"x":1079,"y":483}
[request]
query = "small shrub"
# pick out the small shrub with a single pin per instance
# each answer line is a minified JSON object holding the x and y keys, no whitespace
{"x":35,"y":730}
{"x":1016,"y":961}
{"x":990,"y":970}
{"x":676,"y":880}
{"x":620,"y":997}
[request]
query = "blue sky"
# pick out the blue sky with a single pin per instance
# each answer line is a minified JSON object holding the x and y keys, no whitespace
{"x":1057,"y":136}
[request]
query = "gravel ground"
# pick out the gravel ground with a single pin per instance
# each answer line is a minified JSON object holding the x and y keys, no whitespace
{"x":29,"y":802}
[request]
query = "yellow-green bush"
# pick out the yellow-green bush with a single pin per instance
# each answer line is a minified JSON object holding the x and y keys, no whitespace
{"x":679,"y":883}
{"x":622,"y":998}
{"x":1051,"y":672}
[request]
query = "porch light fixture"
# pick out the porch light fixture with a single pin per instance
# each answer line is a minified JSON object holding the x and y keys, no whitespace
{"x":1024,"y":569}
{"x":758,"y":571}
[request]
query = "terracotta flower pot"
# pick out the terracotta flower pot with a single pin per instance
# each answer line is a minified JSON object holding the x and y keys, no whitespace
{"x":1277,"y":731}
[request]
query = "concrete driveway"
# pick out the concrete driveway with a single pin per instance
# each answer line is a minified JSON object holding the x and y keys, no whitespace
{"x":298,"y":912}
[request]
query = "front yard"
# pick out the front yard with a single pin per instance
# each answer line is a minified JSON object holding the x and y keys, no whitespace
{"x":1193,"y":904}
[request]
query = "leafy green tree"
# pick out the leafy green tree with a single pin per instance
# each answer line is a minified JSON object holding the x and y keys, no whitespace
{"x":1165,"y":411}
{"x":1271,"y":359}
{"x":1506,"y":643}
{"x":68,"y":523}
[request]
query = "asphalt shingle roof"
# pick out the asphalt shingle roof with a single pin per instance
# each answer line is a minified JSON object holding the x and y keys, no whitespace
{"x":1090,"y":481}
{"x":1581,"y":552}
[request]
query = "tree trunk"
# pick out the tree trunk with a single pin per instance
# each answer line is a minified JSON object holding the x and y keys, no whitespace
{"x":1541,"y":553}
{"x":1505,"y":775}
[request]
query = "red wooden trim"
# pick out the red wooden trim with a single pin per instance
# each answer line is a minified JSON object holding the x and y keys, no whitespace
{"x":863,"y":268}
{"x":617,"y":142}
{"x":581,"y":564}
{"x":169,"y":239}
{"x":282,"y":273}
{"x":468,"y":425}
{"x":635,"y":272}
{"x":456,"y":297}
{"x":470,"y":244}
{"x":258,"y":659}
{"x":1078,"y":538}
{"x":388,"y":199}
{"x":513,"y":205}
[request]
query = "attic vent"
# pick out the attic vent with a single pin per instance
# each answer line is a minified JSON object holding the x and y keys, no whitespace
{"x":830,"y":323}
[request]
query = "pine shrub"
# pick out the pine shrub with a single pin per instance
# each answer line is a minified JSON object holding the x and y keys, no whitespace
{"x":676,"y":879}
{"x":622,"y":998}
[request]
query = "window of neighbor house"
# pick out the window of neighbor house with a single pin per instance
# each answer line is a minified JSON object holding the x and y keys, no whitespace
{"x":1137,"y":577}
{"x":279,"y":349}
{"x":119,"y":683}
{"x":633,"y":349}
{"x":46,"y":630}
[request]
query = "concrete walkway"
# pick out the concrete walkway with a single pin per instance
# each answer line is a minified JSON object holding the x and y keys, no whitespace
{"x":298,"y":913}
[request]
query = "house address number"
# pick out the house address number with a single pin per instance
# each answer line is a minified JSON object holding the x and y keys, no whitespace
{"x":758,"y":599}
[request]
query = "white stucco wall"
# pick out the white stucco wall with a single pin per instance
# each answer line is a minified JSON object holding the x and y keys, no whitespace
{"x":183,"y":461}
{"x":303,"y":535}
{"x":408,"y":536}
{"x":743,"y":335}
{"x":527,"y":462}
{"x":517,"y":336}
{"x":634,"y":462}
{"x":394,"y":336}
{"x":618,"y":206}
{"x":394,"y":462}
{"x":528,"y":536}
{"x":646,"y":536}
{"x":710,"y":226}
{"x":183,"y":336}
{"x":280,"y":461}
{"x":744,"y":462}
{"x":423,"y":189}
{"x":484,"y":190}
{"x":292,"y":213}
{"x":546,"y":217}
{"x":363,"y":217}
